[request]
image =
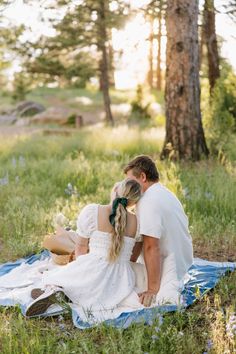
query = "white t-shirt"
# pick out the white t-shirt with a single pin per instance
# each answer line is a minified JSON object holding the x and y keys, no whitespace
{"x":161,"y":215}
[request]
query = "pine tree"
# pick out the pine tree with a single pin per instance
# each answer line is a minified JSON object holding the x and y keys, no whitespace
{"x":184,"y":131}
{"x":210,"y":40}
{"x":8,"y":39}
{"x":80,"y":48}
{"x":155,"y":13}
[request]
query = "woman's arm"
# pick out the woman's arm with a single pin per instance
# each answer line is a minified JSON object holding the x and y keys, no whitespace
{"x":136,"y":251}
{"x":82,"y":246}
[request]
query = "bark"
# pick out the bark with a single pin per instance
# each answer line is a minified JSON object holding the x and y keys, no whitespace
{"x":151,"y":37}
{"x":100,"y":75}
{"x":104,"y":66}
{"x":201,"y":46}
{"x":159,"y":36}
{"x":184,"y":131}
{"x":111,"y":64}
{"x":210,"y":40}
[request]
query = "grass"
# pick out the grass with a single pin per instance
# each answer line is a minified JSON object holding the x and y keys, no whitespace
{"x":89,"y":103}
{"x":37,"y":170}
{"x":67,"y":97}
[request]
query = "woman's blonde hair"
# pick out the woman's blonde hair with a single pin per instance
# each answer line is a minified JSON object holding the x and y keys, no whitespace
{"x":129,"y":191}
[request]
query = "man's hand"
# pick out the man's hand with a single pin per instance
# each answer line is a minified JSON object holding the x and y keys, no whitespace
{"x":147,"y":297}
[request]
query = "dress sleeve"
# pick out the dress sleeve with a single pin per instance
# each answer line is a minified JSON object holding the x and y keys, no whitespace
{"x":149,"y":220}
{"x":86,"y":222}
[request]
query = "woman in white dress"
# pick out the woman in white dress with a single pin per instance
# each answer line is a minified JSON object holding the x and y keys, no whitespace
{"x":101,"y":279}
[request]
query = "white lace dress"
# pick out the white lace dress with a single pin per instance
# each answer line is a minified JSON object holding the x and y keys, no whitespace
{"x":97,"y":288}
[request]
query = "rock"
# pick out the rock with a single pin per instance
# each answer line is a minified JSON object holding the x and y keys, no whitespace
{"x":23,"y":122}
{"x":86,"y":101}
{"x":123,"y":109}
{"x":7,"y":119}
{"x":56,"y":115}
{"x":28,"y":108}
{"x":23,"y":109}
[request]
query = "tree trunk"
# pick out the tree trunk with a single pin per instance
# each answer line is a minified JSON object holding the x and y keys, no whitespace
{"x":184,"y":132}
{"x":159,"y":35}
{"x":211,"y":43}
{"x":151,"y":37}
{"x":111,"y":64}
{"x":100,"y":75}
{"x":201,"y":46}
{"x":104,"y":66}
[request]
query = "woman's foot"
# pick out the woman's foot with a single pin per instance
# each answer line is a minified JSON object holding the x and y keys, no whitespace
{"x":44,"y":301}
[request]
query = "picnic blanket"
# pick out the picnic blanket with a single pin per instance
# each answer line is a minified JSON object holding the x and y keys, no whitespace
{"x":201,"y":277}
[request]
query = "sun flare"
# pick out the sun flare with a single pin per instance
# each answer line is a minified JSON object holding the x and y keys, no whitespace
{"x":130,"y":44}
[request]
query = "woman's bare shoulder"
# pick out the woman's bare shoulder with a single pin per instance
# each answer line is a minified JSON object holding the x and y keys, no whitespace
{"x":131,"y":224}
{"x":132,"y":216}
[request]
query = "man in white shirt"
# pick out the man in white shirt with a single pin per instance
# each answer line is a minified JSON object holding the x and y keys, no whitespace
{"x":163,"y":226}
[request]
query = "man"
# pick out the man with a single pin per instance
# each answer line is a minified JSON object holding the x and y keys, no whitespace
{"x":163,"y":226}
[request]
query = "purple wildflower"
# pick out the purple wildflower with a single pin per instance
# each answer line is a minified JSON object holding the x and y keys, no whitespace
{"x":13,"y":161}
{"x":231,"y":326}
{"x":209,"y":344}
{"x":69,"y":190}
{"x":209,"y":195}
{"x":62,"y":327}
{"x":22,"y":161}
{"x":5,"y":180}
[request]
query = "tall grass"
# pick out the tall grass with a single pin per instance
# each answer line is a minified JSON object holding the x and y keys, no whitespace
{"x":39,"y":168}
{"x":34,"y":174}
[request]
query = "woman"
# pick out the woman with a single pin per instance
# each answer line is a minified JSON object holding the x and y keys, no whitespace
{"x":101,"y":278}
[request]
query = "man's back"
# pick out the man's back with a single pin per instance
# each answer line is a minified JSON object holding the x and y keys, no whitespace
{"x":161,"y":215}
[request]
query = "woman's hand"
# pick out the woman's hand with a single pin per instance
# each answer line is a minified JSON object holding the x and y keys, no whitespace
{"x":136,"y":251}
{"x":72,"y":257}
{"x":147,"y":297}
{"x":82,"y":246}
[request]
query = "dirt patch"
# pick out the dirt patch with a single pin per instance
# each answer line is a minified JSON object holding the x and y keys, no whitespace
{"x":15,"y":130}
{"x":219,"y":253}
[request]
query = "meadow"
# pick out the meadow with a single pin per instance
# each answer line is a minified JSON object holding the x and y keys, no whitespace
{"x":41,"y":176}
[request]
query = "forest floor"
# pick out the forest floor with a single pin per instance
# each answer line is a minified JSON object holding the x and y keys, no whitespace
{"x":35,"y":170}
{"x":89,"y":104}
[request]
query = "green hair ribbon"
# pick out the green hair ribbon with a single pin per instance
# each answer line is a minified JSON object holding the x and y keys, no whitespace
{"x":123,"y":201}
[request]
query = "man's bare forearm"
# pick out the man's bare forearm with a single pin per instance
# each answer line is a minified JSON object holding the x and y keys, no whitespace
{"x":153,"y":266}
{"x":136,"y":251}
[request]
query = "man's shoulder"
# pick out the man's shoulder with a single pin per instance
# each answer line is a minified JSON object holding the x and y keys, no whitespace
{"x":148,"y":201}
{"x":151,"y":195}
{"x":158,"y":198}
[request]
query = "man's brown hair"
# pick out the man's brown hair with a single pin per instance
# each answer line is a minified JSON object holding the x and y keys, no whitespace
{"x":143,"y":163}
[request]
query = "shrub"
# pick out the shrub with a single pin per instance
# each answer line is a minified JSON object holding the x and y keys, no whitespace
{"x":139,"y":107}
{"x":20,"y":86}
{"x":71,"y":119}
{"x":220,"y":115}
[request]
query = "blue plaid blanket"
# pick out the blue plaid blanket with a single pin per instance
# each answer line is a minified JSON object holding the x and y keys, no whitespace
{"x":202,"y":276}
